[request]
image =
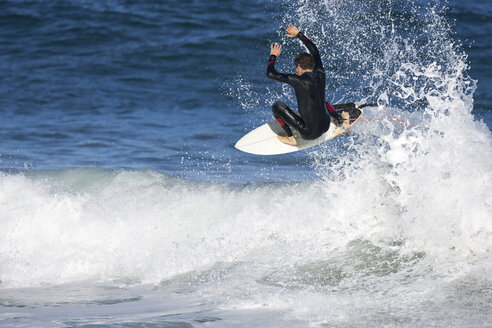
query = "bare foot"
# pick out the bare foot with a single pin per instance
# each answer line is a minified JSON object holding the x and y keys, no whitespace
{"x":346,"y":120}
{"x":287,"y":140}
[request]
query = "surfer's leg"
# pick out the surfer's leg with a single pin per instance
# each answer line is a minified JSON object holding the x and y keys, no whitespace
{"x":278,"y":109}
{"x":343,"y":113}
{"x":287,"y":118}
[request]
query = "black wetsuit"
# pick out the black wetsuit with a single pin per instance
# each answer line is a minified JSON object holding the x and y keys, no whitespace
{"x":314,"y":119}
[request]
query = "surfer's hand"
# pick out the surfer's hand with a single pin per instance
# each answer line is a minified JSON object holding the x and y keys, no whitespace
{"x":275,"y":49}
{"x":292,"y":31}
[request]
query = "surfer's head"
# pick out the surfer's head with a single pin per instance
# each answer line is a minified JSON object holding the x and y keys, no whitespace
{"x":304,"y":62}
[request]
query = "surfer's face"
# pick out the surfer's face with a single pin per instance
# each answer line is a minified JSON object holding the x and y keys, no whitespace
{"x":299,"y":70}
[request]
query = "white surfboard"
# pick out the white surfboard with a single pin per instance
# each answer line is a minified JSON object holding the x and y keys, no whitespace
{"x":263,"y":140}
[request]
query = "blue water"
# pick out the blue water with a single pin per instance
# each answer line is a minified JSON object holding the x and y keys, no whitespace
{"x":123,"y":202}
{"x":160,"y":86}
{"x":121,"y":85}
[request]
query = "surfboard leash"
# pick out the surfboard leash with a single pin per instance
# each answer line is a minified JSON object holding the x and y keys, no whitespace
{"x":395,"y":118}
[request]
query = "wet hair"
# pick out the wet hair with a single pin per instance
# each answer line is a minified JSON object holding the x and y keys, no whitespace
{"x":304,"y":60}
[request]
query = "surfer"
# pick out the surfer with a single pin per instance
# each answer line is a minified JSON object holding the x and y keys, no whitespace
{"x":309,"y":85}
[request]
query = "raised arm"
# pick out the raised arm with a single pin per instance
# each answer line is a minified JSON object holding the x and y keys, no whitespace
{"x":272,"y":73}
{"x":293,"y":32}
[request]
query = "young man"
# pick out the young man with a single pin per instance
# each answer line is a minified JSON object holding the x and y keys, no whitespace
{"x":309,"y":85}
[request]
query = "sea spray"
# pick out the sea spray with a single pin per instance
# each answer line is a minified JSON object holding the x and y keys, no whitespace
{"x":404,"y":55}
{"x":423,"y":188}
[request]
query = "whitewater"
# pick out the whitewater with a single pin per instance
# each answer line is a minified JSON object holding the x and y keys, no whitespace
{"x":390,"y":227}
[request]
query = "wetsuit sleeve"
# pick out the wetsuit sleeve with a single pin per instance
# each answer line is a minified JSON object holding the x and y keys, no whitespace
{"x":281,"y":77}
{"x":313,"y":50}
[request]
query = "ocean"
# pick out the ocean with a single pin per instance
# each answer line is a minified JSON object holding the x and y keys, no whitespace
{"x":123,"y":202}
